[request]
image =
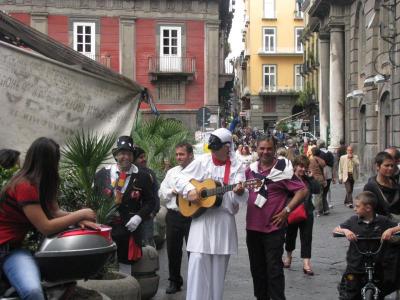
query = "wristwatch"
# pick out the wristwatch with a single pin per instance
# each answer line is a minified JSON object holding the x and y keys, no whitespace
{"x":288,"y":210}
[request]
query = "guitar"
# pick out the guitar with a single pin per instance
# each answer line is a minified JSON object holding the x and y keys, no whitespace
{"x":210,"y":193}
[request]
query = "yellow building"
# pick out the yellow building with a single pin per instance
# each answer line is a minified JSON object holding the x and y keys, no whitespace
{"x":272,"y":60}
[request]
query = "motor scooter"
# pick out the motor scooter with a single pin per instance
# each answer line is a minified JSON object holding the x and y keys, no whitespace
{"x":68,"y":256}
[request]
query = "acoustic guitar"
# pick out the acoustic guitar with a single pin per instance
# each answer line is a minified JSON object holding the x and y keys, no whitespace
{"x":211,"y":193}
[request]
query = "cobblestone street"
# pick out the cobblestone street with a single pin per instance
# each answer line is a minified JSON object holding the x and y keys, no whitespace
{"x":328,"y":261}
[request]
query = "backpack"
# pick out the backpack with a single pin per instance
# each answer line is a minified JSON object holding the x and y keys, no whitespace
{"x":328,"y":158}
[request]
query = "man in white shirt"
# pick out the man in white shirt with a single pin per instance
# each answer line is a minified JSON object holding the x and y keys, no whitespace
{"x":212,"y":236}
{"x":177,"y":225}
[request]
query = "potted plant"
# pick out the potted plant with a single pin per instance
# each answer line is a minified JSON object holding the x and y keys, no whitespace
{"x":82,"y":156}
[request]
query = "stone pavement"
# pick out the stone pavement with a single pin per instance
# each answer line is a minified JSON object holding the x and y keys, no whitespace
{"x":328,"y":260}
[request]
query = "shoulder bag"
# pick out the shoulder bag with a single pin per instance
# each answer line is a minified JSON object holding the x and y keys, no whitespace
{"x":299,"y":214}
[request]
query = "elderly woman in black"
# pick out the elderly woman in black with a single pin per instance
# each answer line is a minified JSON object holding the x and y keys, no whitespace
{"x":300,"y":165}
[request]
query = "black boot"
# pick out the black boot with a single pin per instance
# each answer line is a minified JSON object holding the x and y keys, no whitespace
{"x":173,"y":288}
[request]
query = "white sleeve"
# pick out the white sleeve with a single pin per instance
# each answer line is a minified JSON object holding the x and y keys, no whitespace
{"x":166,"y":187}
{"x":231,"y":200}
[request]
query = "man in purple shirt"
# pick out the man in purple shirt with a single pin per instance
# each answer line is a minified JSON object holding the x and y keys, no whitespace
{"x":267,"y":212}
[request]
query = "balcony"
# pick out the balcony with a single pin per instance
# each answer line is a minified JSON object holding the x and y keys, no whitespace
{"x":281,"y":51}
{"x":183,"y":68}
{"x":104,"y":59}
{"x":280,"y":90}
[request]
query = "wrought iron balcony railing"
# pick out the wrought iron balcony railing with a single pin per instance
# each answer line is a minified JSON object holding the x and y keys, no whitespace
{"x":172,"y":64}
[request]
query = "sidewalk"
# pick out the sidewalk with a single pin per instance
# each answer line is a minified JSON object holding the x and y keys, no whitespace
{"x":328,"y":260}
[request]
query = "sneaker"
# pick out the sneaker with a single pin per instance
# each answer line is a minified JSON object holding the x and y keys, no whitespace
{"x":330,"y":205}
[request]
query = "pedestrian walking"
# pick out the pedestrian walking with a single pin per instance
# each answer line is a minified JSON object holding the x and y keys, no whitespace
{"x":267,"y":212}
{"x":177,"y":225}
{"x":212,"y":235}
{"x":305,"y":227}
{"x":317,"y":165}
{"x":348,"y":173}
{"x":329,"y":159}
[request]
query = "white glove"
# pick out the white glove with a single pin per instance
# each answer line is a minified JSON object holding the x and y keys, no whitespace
{"x":133,"y":223}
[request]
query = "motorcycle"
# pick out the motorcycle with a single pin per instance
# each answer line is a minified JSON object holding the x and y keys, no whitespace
{"x":68,"y":256}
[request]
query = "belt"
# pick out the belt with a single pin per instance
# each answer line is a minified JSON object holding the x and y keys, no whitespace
{"x":173,"y":209}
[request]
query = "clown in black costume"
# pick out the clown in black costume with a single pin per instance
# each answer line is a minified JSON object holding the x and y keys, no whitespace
{"x":131,"y":191}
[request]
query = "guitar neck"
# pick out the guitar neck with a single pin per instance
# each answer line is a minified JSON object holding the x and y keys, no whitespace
{"x":222,"y":189}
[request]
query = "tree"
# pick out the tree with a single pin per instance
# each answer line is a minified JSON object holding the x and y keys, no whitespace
{"x":158,"y":138}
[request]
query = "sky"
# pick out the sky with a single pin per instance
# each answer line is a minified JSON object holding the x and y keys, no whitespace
{"x":235,"y":37}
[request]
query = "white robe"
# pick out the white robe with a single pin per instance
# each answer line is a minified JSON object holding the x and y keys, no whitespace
{"x":213,"y":232}
{"x":213,"y":235}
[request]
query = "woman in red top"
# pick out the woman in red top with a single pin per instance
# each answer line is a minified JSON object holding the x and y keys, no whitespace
{"x":28,"y":201}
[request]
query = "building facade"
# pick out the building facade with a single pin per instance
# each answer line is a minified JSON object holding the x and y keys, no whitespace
{"x":175,"y":48}
{"x":272,"y":59}
{"x":359,"y":74}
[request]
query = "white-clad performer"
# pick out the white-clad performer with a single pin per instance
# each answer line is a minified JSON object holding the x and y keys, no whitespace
{"x":212,"y":236}
{"x":178,"y":226}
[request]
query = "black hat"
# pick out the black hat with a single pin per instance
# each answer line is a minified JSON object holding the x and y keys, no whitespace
{"x":124,"y":142}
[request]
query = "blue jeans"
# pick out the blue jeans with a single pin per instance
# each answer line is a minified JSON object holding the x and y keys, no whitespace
{"x":23,"y":273}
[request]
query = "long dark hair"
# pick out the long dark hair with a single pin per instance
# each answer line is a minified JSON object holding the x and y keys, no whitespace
{"x":41,"y":170}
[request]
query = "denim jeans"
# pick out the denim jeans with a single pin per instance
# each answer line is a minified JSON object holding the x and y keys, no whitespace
{"x":23,"y":273}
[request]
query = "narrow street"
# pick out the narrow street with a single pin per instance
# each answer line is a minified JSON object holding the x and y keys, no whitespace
{"x":328,"y":261}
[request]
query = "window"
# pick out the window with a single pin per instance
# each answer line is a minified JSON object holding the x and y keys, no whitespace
{"x":170,"y":49}
{"x":84,"y":39}
{"x":299,"y":45}
{"x":298,"y":79}
{"x":269,"y":104}
{"x":297,"y":12}
{"x":269,"y":9}
{"x":171,"y":92}
{"x":269,"y":39}
{"x":269,"y":78}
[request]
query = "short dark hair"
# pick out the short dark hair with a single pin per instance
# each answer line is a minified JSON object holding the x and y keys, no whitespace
{"x":367,"y":198}
{"x":8,"y":158}
{"x":301,"y":160}
{"x":188,"y":147}
{"x":267,"y":138}
{"x":381,"y":156}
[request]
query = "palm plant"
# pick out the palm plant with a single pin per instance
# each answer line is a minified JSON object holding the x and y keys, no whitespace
{"x":82,"y":155}
{"x":158,"y":138}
